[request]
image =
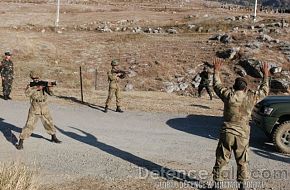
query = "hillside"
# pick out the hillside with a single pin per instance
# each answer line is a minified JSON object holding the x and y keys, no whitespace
{"x":163,"y":44}
{"x":270,"y":3}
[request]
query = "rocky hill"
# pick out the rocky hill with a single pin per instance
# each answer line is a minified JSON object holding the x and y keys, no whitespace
{"x":163,"y":45}
{"x":271,"y":3}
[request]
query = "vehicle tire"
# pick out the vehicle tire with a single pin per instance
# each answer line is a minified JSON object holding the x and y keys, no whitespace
{"x":281,"y":137}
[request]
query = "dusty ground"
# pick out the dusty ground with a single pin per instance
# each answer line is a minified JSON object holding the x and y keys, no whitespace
{"x":123,"y":151}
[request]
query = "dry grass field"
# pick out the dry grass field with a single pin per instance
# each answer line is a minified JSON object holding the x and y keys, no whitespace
{"x":28,"y":31}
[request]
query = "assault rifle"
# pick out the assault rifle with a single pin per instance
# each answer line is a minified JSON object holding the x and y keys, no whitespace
{"x":44,"y":84}
{"x":122,"y":72}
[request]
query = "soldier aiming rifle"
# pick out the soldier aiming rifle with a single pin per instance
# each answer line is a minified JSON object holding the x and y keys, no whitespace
{"x":37,"y":91}
{"x":121,"y":73}
{"x":114,"y":89}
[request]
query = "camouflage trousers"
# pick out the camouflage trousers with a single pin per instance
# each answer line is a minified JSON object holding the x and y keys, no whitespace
{"x":31,"y":122}
{"x":7,"y":86}
{"x":112,"y":92}
{"x":228,"y":143}
{"x":201,"y":87}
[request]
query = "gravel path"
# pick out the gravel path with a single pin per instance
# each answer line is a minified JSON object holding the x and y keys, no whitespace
{"x":117,"y":146}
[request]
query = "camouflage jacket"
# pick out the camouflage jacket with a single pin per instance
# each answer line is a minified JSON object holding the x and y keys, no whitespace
{"x":38,"y":99}
{"x":113,"y":79}
{"x":204,"y":75}
{"x":7,"y":69}
{"x":238,"y":106}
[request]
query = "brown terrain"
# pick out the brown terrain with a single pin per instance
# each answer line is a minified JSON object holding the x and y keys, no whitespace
{"x":92,"y":33}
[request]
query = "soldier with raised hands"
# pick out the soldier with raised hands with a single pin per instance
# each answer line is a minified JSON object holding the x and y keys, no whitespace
{"x":239,"y":102}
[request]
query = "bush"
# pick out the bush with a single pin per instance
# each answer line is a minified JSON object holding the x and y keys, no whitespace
{"x":16,"y":176}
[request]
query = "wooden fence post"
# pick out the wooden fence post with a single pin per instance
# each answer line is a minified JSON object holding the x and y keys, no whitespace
{"x":81,"y":81}
{"x":96,"y":79}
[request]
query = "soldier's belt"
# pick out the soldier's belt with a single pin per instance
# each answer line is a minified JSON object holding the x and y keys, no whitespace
{"x":39,"y":100}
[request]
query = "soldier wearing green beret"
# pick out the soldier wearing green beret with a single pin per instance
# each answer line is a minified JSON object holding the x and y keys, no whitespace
{"x":38,"y":109}
{"x":7,"y":75}
{"x":114,"y":88}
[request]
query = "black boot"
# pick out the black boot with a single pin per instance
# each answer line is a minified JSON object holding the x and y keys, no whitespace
{"x":19,"y":146}
{"x":242,"y":186}
{"x":217,"y":185}
{"x":106,"y":109}
{"x":5,"y":97}
{"x":54,"y":139}
{"x":9,"y":98}
{"x":119,"y":109}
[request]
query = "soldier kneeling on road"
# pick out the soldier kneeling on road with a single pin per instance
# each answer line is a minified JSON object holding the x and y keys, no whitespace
{"x":37,"y":91}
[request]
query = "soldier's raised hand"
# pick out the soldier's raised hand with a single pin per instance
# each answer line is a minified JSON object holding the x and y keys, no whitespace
{"x":217,"y":64}
{"x":265,"y":69}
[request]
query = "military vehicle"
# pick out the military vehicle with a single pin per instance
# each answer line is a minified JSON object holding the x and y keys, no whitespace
{"x":272,"y":115}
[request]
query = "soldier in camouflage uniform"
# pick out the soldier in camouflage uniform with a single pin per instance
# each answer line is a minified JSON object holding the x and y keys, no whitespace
{"x":114,"y":88}
{"x":7,"y":75}
{"x":204,"y":83}
{"x":38,"y":109}
{"x":235,"y":131}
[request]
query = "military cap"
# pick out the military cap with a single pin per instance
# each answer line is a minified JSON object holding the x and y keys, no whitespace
{"x":114,"y":62}
{"x":7,"y":53}
{"x":34,"y":74}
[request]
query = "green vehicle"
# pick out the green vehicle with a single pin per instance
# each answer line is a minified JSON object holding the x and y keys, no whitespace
{"x":272,"y":115}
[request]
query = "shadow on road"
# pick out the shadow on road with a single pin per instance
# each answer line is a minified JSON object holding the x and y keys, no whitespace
{"x":140,"y":162}
{"x":8,"y":131}
{"x":200,"y":125}
{"x":73,"y":99}
{"x":200,"y":106}
{"x":209,"y":126}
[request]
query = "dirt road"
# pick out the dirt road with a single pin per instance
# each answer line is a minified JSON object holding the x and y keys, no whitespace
{"x":130,"y":146}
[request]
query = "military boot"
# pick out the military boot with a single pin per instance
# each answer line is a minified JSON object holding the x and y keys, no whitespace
{"x":5,"y":97}
{"x":217,"y":185}
{"x":54,"y":139}
{"x":106,"y":109}
{"x":119,"y":109}
{"x":19,"y":146}
{"x":241,"y":186}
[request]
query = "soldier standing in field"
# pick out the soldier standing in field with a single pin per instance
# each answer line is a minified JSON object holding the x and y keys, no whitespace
{"x":38,"y":109}
{"x":204,"y":83}
{"x":7,"y":73}
{"x":235,"y":131}
{"x":114,"y":89}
